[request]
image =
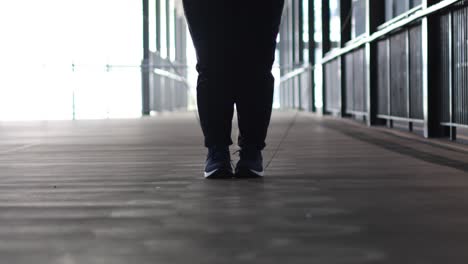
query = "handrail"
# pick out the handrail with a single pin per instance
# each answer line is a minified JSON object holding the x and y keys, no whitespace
{"x":170,"y":75}
{"x":406,"y":14}
{"x":157,"y":69}
{"x":336,"y":53}
{"x":296,"y":72}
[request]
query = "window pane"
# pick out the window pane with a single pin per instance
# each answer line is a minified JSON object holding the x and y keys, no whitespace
{"x":388,"y":9}
{"x":415,"y":3}
{"x":400,"y":7}
{"x":335,"y":23}
{"x":394,"y":8}
{"x":359,"y":18}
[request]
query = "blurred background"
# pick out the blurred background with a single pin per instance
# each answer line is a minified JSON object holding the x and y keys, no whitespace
{"x":64,"y":59}
{"x":68,"y":59}
{"x":372,"y":61}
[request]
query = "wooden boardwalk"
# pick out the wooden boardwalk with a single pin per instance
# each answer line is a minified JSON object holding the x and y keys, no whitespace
{"x":131,"y":191}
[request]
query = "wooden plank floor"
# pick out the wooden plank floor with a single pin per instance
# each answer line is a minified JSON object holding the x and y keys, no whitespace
{"x":131,"y":191}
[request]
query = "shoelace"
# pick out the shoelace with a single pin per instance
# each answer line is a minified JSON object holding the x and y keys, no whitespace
{"x":277,"y":148}
{"x":285,"y":135}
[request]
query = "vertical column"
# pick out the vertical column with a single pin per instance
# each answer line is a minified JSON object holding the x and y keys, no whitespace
{"x":452,"y":129}
{"x":145,"y":71}
{"x":298,"y":47}
{"x":325,"y":27}
{"x":283,"y":62}
{"x":157,"y":80}
{"x":169,"y":87}
{"x":176,"y":36}
{"x":312,"y":47}
{"x":158,"y":25}
{"x":389,"y":83}
{"x":325,"y":48}
{"x":291,"y":52}
{"x":180,"y":59}
{"x":287,"y":50}
{"x":432,"y":127}
{"x":375,"y":11}
{"x":183,"y":33}
{"x":345,"y":19}
{"x":408,"y":78}
{"x":389,"y":15}
{"x":300,"y":31}
{"x":168,"y":28}
{"x":346,"y":12}
{"x":425,"y":73}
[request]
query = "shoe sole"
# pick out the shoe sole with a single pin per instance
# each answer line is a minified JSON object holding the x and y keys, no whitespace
{"x":248,"y":173}
{"x":219,"y":174}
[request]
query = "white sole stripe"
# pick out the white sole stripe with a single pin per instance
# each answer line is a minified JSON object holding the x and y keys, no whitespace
{"x":258,"y":173}
{"x":208,"y":174}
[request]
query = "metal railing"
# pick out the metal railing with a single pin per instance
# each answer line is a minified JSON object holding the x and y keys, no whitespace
{"x":169,"y":87}
{"x":454,"y":99}
{"x":399,"y":86}
{"x":296,"y":88}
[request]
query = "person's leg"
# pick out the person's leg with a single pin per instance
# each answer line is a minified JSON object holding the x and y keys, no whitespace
{"x":254,"y":96}
{"x":209,"y":23}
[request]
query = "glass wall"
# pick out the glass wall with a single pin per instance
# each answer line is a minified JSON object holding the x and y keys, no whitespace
{"x":358,"y":22}
{"x":394,"y":8}
{"x":77,"y":59}
{"x":318,"y":52}
{"x":305,"y":30}
{"x":55,"y":59}
{"x":335,"y":24}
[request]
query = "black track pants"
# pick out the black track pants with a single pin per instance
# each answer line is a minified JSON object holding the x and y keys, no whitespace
{"x":235,"y":42}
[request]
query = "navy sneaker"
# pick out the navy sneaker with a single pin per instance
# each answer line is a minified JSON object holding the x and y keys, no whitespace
{"x":218,"y":163}
{"x":250,"y":164}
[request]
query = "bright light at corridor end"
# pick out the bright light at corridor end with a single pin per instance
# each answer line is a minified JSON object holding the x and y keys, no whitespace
{"x":76,"y":59}
{"x":55,"y":56}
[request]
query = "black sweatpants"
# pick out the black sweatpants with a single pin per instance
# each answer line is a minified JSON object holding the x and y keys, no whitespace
{"x":235,"y":42}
